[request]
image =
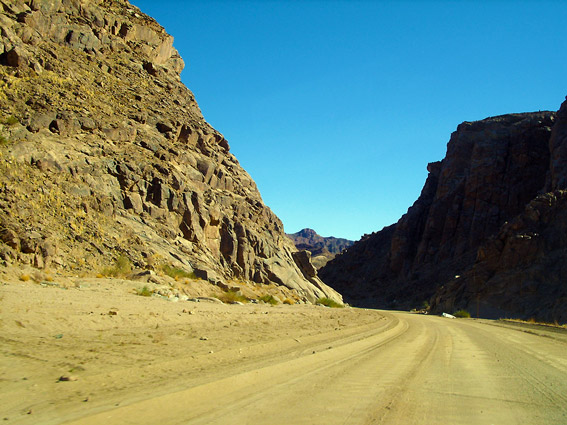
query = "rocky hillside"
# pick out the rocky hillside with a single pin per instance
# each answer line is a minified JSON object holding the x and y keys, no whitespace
{"x":323,"y":249}
{"x":105,"y":155}
{"x":490,"y":213}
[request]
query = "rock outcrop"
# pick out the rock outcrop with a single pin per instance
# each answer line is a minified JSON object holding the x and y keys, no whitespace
{"x":106,"y":153}
{"x":520,"y":271}
{"x":494,"y":169}
{"x":322,"y":249}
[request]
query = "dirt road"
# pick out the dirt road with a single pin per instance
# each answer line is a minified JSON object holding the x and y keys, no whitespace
{"x":145,"y":360}
{"x":407,"y":370}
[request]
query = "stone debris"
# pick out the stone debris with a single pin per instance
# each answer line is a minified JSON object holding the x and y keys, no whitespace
{"x":68,"y":378}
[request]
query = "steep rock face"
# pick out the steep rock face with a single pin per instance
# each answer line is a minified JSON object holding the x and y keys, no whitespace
{"x":321,"y":248}
{"x":558,"y":149}
{"x":520,"y":271}
{"x":105,"y":152}
{"x":492,"y":169}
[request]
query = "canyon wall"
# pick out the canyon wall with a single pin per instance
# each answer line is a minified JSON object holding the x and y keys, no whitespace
{"x":476,"y":204}
{"x":105,"y":153}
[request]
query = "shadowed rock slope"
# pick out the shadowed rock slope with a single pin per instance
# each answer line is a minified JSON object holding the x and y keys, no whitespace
{"x":323,"y":249}
{"x":105,"y":153}
{"x":491,"y":212}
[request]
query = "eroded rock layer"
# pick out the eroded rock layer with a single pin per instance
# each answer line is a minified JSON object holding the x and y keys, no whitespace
{"x":105,"y":153}
{"x":493,"y":170}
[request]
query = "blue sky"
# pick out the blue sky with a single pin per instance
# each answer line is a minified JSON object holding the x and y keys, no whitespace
{"x":336,"y":107}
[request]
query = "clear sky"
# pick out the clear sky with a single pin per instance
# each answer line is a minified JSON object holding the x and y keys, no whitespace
{"x":336,"y":107}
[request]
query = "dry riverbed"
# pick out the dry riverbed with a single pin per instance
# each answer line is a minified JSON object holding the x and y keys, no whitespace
{"x":91,"y":351}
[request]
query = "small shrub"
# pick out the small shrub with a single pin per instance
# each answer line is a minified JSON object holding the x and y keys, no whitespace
{"x":288,"y":301}
{"x":268,"y":299}
{"x":329,"y":303}
{"x":144,"y":292}
{"x":11,"y":120}
{"x":25,"y":277}
{"x":3,"y":140}
{"x":122,"y":267}
{"x":462,"y":314}
{"x":232,"y":297}
{"x":176,"y":272}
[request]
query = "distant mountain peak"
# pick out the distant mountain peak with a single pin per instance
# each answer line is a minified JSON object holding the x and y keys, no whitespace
{"x":307,"y":233}
{"x":322,"y":248}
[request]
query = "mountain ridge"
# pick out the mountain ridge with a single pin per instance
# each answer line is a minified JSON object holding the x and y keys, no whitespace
{"x":322,"y":248}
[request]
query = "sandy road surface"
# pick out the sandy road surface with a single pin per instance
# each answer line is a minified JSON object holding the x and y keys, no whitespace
{"x":411,"y":369}
{"x":272,"y":365}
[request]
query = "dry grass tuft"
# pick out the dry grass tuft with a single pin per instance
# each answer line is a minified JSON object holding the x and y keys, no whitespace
{"x":231,"y":297}
{"x":329,"y":303}
{"x":177,"y":273}
{"x":122,"y":267}
{"x":268,"y":299}
{"x":144,"y":292}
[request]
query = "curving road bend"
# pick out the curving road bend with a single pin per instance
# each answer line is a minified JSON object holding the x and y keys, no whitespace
{"x":409,"y":369}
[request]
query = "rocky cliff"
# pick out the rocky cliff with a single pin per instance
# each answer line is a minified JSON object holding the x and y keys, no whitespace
{"x":105,"y":154}
{"x":493,"y":174}
{"x":520,"y":270}
{"x":322,"y":249}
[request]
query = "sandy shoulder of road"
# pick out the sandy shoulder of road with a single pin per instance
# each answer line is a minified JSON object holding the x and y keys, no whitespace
{"x":78,"y":346}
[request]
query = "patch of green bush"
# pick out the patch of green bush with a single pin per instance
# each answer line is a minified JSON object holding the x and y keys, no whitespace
{"x":176,"y":272}
{"x":329,"y":303}
{"x":11,"y":120}
{"x":231,"y":297}
{"x":122,"y":267}
{"x":268,"y":299}
{"x":144,"y":292}
{"x":462,"y":314}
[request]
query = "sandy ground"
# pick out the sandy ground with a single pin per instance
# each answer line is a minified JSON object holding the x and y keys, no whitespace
{"x":146,"y":360}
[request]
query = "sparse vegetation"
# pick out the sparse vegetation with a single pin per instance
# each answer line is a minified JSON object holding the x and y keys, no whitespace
{"x":144,"y":292}
{"x":533,"y":321}
{"x":11,"y":120}
{"x":231,"y":297}
{"x":122,"y":267}
{"x":329,"y":303}
{"x":462,"y":314}
{"x":176,"y":272}
{"x":288,"y":301}
{"x":268,"y":299}
{"x":25,"y":277}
